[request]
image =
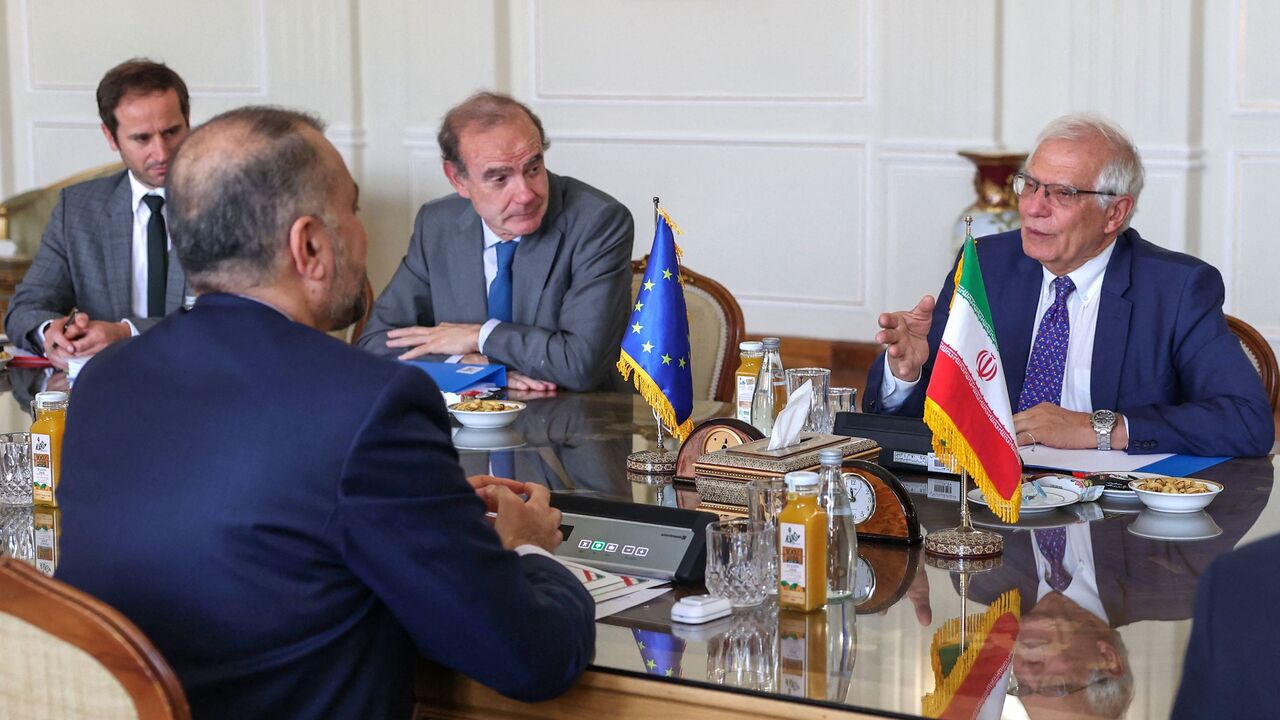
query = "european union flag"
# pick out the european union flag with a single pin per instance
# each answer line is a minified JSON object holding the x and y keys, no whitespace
{"x":660,"y":652}
{"x":655,"y":345}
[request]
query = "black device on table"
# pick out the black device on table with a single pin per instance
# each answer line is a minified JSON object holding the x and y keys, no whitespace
{"x":905,"y":443}
{"x":634,"y":539}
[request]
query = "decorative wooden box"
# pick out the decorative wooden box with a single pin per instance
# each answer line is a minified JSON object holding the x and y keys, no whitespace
{"x":723,"y":477}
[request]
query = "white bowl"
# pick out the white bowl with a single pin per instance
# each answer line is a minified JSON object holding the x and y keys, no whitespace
{"x":1198,"y":525}
{"x":471,"y":438}
{"x":1176,"y":503}
{"x":482,"y":419}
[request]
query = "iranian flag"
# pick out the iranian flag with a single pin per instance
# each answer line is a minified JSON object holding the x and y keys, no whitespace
{"x":967,"y":403}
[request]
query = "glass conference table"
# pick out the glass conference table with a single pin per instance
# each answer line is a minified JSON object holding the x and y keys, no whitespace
{"x":897,"y":652}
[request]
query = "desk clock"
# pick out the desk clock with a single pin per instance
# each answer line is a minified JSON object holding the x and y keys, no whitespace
{"x":632,"y":539}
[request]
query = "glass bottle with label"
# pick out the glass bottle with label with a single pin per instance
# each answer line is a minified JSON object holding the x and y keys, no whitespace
{"x":46,"y":446}
{"x":842,"y":532}
{"x":802,"y":545}
{"x":770,"y":394}
{"x":748,"y":370}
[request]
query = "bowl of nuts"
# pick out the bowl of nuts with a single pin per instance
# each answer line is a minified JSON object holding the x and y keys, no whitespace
{"x":486,"y":413}
{"x":1175,"y":495}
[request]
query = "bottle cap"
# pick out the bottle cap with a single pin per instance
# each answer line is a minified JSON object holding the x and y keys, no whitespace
{"x":49,"y":398}
{"x":830,"y":457}
{"x":801,"y":478}
{"x":770,"y":342}
{"x":751,"y":346}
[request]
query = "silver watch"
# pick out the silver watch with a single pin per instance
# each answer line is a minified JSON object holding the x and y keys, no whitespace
{"x":1103,"y":421}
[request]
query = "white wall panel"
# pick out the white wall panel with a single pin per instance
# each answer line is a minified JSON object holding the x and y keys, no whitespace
{"x":65,"y":147}
{"x":70,"y":43}
{"x":1254,"y":253}
{"x":1256,"y":83}
{"x":755,"y":50}
{"x":780,"y":222}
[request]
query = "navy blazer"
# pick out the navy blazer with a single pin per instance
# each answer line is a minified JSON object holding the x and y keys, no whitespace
{"x":1162,"y":353}
{"x":285,"y":517}
{"x":1230,"y":668}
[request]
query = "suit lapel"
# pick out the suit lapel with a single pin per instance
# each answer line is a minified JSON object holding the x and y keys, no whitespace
{"x":535,"y":257}
{"x":462,"y":279}
{"x":1112,"y":334}
{"x":1019,"y":295}
{"x":118,"y":250}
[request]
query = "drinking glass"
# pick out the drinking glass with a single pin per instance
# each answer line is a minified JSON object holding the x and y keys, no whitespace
{"x":17,"y":533}
{"x":839,"y":399}
{"x":766,"y":496}
{"x":15,"y":469}
{"x":737,"y":561}
{"x":821,"y":379}
{"x":746,"y":655}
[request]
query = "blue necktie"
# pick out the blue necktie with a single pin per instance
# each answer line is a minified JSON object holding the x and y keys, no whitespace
{"x":1053,"y":546}
{"x":500,"y":288}
{"x":1043,"y":382}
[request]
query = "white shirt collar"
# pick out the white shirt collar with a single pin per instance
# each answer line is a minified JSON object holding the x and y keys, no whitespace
{"x":1087,"y":277}
{"x":139,"y":190}
{"x":491,"y":238}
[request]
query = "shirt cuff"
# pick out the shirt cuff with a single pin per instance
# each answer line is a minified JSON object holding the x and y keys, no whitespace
{"x":529,"y":549}
{"x":40,"y":331}
{"x":894,"y":392}
{"x":133,"y":329}
{"x":453,"y":359}
{"x":485,"y":329}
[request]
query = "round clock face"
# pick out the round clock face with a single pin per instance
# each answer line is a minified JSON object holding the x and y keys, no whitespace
{"x":862,"y":496}
{"x":864,"y":580}
{"x":720,"y":439}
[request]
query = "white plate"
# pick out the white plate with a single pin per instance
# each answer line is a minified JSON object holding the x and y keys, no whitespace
{"x":1126,"y":493}
{"x":1029,"y":521}
{"x":1031,"y":500}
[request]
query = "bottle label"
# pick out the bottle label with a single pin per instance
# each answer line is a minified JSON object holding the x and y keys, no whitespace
{"x":791,"y":587}
{"x":41,"y":468}
{"x":746,"y":391}
{"x":46,"y":542}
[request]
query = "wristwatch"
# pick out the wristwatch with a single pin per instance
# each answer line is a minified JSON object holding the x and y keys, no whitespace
{"x":1103,"y":421}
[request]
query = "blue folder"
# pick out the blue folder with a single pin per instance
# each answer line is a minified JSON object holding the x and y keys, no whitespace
{"x":460,"y":377}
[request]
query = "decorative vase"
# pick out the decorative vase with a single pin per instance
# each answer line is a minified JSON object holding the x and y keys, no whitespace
{"x":996,"y":209}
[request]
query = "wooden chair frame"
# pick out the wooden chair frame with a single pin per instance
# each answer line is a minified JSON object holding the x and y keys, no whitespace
{"x":724,"y":390}
{"x":1261,"y":349}
{"x":98,"y":629}
{"x":18,"y":201}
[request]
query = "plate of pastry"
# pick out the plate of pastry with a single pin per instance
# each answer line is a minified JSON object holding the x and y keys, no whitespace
{"x":1033,"y":501}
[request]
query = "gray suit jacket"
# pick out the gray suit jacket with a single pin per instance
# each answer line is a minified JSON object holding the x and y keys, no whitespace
{"x":570,"y":296}
{"x":85,"y":261}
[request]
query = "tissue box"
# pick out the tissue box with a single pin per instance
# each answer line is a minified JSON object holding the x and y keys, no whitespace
{"x":723,"y":477}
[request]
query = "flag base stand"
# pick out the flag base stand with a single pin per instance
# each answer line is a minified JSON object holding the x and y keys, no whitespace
{"x":964,"y":541}
{"x":658,"y":465}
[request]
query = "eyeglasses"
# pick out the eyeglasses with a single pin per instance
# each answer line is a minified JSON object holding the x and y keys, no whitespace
{"x":1056,"y":690}
{"x":1056,"y":194}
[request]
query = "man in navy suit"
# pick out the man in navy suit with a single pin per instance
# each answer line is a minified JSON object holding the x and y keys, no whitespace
{"x":1107,"y":340}
{"x":1230,"y":669}
{"x":282,"y":514}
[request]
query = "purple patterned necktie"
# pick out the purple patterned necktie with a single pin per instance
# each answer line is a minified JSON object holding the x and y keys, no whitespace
{"x":1048,"y":360}
{"x":1053,"y":546}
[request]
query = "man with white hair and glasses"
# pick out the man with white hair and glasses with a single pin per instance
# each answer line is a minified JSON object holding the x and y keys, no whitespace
{"x":1108,"y":341}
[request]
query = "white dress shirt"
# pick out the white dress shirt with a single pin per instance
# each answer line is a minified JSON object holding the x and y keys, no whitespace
{"x":491,"y":241}
{"x":1082,"y":313}
{"x":142,"y":216}
{"x":1077,"y":559}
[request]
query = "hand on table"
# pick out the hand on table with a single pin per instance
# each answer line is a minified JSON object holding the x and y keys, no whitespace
{"x":79,"y":336}
{"x":522,"y":382}
{"x":443,"y":339}
{"x":1049,"y":425}
{"x":521,"y":522}
{"x":905,"y":335}
{"x":482,"y":482}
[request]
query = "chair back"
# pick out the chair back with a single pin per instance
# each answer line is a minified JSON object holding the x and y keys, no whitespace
{"x":715,"y":329}
{"x":23,"y":216}
{"x":1259,"y":352}
{"x":65,"y":654}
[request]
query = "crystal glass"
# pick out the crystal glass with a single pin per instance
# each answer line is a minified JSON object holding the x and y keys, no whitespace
{"x":17,"y":533}
{"x":840,"y":399}
{"x":15,"y":469}
{"x":766,"y":496}
{"x":746,"y":655}
{"x":737,"y":561}
{"x":821,"y":379}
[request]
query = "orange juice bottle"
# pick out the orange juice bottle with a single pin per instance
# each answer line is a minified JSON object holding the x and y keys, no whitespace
{"x":802,"y":654}
{"x":745,"y":377}
{"x":46,"y":446}
{"x":802,"y":545}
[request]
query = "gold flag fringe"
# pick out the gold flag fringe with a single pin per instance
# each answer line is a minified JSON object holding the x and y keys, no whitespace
{"x":978,"y":626}
{"x":954,"y":451}
{"x":653,"y":395}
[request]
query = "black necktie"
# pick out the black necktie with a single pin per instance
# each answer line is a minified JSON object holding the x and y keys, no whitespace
{"x":157,"y":256}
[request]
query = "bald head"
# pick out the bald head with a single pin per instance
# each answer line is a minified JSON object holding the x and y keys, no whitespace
{"x":235,"y":187}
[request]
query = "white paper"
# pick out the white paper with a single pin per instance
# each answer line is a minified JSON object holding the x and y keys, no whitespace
{"x":787,"y":426}
{"x":617,"y":605}
{"x":1039,"y":456}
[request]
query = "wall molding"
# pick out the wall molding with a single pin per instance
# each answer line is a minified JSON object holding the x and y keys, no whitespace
{"x":1231,"y":250}
{"x":1236,"y":69}
{"x":540,"y":95}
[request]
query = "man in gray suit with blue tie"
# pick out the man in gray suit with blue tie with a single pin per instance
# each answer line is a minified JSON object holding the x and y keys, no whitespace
{"x":105,"y":269}
{"x":521,"y":267}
